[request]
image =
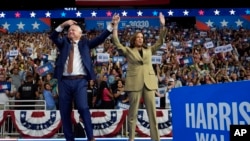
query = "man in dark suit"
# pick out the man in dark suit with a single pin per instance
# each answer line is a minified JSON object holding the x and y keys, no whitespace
{"x":74,"y":72}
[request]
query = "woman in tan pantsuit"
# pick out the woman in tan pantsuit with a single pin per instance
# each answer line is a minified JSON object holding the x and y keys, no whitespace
{"x":140,"y":76}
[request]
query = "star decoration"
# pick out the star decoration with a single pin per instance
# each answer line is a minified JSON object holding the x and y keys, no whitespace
{"x":232,"y":16}
{"x":47,"y":14}
{"x":32,"y":14}
{"x":247,"y":12}
{"x":224,"y":23}
{"x":17,"y":15}
{"x":124,"y":13}
{"x":139,"y":13}
{"x":20,"y":25}
{"x":185,"y":13}
{"x":170,"y":13}
{"x":209,"y":23}
{"x":232,"y":12}
{"x":239,"y":22}
{"x":6,"y":25}
{"x":63,"y":14}
{"x":155,"y":13}
{"x":201,"y":12}
{"x":78,"y":14}
{"x":2,"y":15}
{"x":109,"y":14}
{"x":35,"y":25}
{"x":216,"y":12}
{"x":93,"y":14}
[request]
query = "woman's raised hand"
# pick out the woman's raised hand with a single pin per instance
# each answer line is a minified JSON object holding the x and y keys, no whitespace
{"x":162,"y":19}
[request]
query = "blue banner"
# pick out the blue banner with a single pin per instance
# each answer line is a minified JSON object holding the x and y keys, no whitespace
{"x":139,"y":22}
{"x":205,"y":113}
{"x":233,"y":22}
{"x":26,"y":24}
{"x":45,"y":69}
{"x":5,"y":86}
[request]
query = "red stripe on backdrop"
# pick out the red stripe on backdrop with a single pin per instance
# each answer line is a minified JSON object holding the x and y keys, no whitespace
{"x":201,"y":26}
{"x":246,"y":17}
{"x":46,"y":21}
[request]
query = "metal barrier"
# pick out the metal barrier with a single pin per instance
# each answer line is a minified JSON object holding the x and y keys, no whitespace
{"x":13,"y":104}
{"x":8,"y":128}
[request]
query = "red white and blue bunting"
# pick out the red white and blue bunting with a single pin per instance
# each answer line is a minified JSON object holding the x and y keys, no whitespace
{"x":107,"y":123}
{"x":164,"y":123}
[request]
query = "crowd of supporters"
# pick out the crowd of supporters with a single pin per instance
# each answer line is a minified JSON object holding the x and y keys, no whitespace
{"x":22,"y":53}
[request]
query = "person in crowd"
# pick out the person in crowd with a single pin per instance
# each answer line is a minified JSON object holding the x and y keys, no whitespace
{"x":40,"y":87}
{"x":53,"y":82}
{"x":141,"y":80}
{"x":105,"y":96}
{"x":92,"y":92}
{"x":49,"y":97}
{"x":177,"y":82}
{"x":120,"y":95}
{"x":12,"y":93}
{"x":16,"y":78}
{"x":73,"y":69}
{"x":28,"y":91}
{"x":6,"y":91}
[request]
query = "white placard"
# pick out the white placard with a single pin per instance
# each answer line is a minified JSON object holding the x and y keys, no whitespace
{"x":225,"y":48}
{"x":102,"y":57}
{"x":209,"y":44}
{"x":156,"y":59}
{"x":100,"y":49}
{"x":13,"y":53}
{"x":175,"y":44}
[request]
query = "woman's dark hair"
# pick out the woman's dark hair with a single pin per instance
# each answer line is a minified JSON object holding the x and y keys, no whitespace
{"x":46,"y":83}
{"x":133,"y":38}
{"x":120,"y":80}
{"x":102,"y":86}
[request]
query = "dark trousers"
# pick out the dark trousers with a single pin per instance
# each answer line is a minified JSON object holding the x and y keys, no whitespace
{"x":77,"y":89}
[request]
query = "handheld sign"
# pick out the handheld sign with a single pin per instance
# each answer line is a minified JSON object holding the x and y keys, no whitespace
{"x":45,"y":69}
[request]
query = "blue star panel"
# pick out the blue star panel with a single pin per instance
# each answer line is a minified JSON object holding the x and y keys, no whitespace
{"x":78,"y":13}
{"x":39,"y":20}
{"x":26,"y":24}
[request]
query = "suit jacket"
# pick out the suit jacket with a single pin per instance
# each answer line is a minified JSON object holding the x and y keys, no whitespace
{"x":63,"y":44}
{"x":140,"y":70}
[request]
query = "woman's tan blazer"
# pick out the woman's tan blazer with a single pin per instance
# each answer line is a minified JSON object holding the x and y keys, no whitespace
{"x":140,"y":71}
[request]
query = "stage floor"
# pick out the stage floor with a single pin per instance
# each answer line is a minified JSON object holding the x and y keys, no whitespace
{"x":84,"y":139}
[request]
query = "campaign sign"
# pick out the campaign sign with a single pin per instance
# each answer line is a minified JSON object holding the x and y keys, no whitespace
{"x":206,"y":112}
{"x":45,"y":69}
{"x":5,"y":86}
{"x":121,"y":105}
{"x":102,"y":57}
{"x":187,"y":60}
{"x":120,"y":59}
